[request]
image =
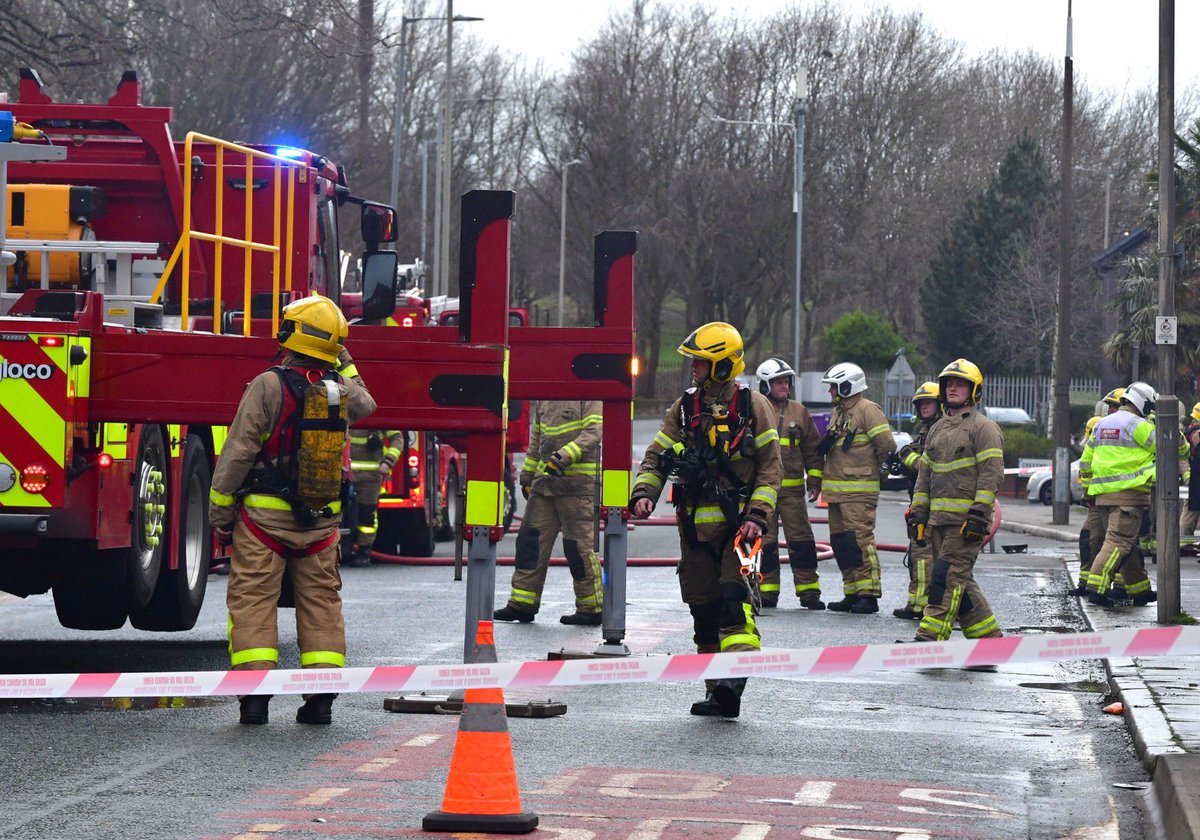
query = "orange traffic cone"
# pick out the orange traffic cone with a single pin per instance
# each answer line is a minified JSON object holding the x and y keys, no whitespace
{"x":821,"y":503}
{"x":481,"y":790}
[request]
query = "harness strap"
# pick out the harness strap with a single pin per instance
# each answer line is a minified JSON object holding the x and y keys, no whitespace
{"x":285,"y":550}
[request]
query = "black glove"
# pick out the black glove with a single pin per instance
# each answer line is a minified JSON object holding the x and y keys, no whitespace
{"x":977,"y":524}
{"x":917,"y":521}
{"x":827,"y":443}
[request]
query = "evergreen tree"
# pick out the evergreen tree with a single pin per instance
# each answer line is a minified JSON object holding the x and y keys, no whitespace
{"x":969,"y":263}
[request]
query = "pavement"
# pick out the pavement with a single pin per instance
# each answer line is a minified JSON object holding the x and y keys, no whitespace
{"x":1160,"y":696}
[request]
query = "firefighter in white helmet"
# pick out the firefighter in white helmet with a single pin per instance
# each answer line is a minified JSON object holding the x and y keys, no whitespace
{"x":277,"y":495}
{"x":856,"y":444}
{"x":1119,"y":459}
{"x":802,"y":467}
{"x":719,"y":445}
{"x":960,"y":472}
{"x":928,"y":409}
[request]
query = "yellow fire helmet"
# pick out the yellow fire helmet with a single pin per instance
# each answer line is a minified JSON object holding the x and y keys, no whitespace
{"x":1091,"y":424}
{"x":719,"y":343}
{"x":962,"y":369}
{"x":927,"y":391}
{"x":1196,"y":412}
{"x":314,"y":326}
{"x":1113,"y":397}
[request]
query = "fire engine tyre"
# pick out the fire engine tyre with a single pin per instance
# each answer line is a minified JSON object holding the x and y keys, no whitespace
{"x":90,"y":592}
{"x":179,"y":594}
{"x":510,"y":500}
{"x":148,"y":533}
{"x":449,"y":512}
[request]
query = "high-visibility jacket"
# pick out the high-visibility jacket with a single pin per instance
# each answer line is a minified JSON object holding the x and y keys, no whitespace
{"x":370,"y":449}
{"x":1119,"y":454}
{"x":570,"y":430}
{"x":852,"y":470}
{"x":961,"y":468}
{"x":754,"y":466}
{"x":798,"y":441}
{"x":258,"y":414}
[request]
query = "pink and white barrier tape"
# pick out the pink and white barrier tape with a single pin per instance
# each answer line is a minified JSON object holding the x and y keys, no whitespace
{"x":782,"y":663}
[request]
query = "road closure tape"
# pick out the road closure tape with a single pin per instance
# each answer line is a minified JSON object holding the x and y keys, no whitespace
{"x":781,"y":663}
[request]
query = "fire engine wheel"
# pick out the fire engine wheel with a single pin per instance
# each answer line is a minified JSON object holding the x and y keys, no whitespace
{"x":148,"y":537}
{"x":179,"y":593}
{"x":449,"y":512}
{"x":90,"y":594}
{"x":510,"y":501}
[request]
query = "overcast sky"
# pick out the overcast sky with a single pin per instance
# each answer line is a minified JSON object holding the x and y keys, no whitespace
{"x":1116,"y":41}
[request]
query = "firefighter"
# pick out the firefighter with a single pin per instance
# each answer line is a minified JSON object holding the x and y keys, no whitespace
{"x":798,"y":441}
{"x":373,"y":454}
{"x":276,"y":497}
{"x":928,"y":409}
{"x":960,"y":472}
{"x":856,"y":444}
{"x":719,"y":444}
{"x":1091,"y":536}
{"x":1119,"y":458}
{"x":1191,"y":513}
{"x":558,"y":481}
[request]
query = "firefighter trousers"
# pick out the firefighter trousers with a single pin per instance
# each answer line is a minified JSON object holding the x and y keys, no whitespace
{"x":545,"y":517}
{"x":1120,"y":552}
{"x":953,"y":592}
{"x":791,"y":512}
{"x":1188,"y":521}
{"x":1091,"y":538}
{"x":253,"y":594}
{"x":852,"y":538}
{"x":367,"y":484}
{"x":920,"y":572}
{"x":711,"y":584}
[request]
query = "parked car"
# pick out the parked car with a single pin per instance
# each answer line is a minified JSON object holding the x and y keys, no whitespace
{"x":896,"y":480}
{"x":1041,"y":485}
{"x":1008,"y":416}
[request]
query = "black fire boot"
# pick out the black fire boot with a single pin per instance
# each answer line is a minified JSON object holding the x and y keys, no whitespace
{"x":770,"y":601}
{"x":359,"y":558}
{"x":728,"y":696}
{"x":577,"y":617}
{"x":813,"y":604}
{"x":845,"y":604}
{"x":907,"y":612}
{"x":1099,"y":600}
{"x":865,"y":604}
{"x":1144,"y":598}
{"x":317,"y":709}
{"x":708,"y":707}
{"x":512,"y":614}
{"x":254,"y":709}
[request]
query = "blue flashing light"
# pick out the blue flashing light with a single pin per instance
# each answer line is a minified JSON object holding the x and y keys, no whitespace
{"x":7,"y":124}
{"x":290,"y":152}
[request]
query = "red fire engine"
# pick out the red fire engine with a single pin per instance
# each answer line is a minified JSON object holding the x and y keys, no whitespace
{"x":110,"y":419}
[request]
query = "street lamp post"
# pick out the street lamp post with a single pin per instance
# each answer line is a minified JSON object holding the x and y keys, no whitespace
{"x":801,"y":103}
{"x":562,"y":238}
{"x":797,"y":194}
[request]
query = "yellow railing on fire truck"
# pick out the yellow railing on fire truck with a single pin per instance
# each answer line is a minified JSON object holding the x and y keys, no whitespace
{"x":282,"y":238}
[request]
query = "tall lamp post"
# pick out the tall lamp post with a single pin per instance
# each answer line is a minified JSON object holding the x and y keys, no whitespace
{"x":562,"y":238}
{"x":401,"y":85}
{"x":797,"y":194}
{"x":801,"y":105}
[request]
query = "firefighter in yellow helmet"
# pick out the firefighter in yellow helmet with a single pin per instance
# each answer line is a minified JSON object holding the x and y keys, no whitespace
{"x":719,"y":445}
{"x":373,"y":456}
{"x":960,"y":472}
{"x":928,"y":410}
{"x":857,"y":442}
{"x":277,"y":495}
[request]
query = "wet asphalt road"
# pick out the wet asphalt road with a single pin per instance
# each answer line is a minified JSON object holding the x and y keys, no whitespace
{"x":1024,"y":752}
